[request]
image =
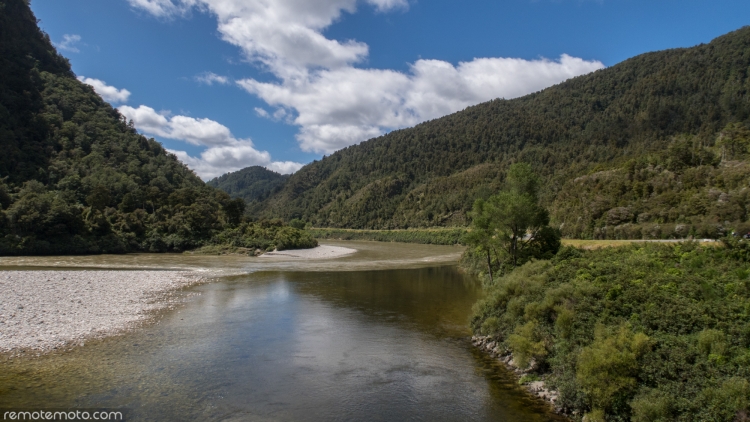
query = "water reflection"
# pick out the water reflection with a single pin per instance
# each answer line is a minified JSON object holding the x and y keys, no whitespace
{"x":327,"y":345}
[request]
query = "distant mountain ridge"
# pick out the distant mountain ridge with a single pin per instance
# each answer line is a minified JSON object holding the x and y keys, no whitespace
{"x":253,"y":184}
{"x":430,"y":174}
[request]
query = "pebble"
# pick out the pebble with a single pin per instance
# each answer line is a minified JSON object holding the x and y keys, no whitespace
{"x":41,"y":311}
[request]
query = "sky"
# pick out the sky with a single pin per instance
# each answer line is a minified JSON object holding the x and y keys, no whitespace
{"x":227,"y":84}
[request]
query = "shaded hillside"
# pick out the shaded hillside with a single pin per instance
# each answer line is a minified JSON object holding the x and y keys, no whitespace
{"x":252,"y":184}
{"x":75,"y":177}
{"x":429,"y":175}
{"x":25,"y":54}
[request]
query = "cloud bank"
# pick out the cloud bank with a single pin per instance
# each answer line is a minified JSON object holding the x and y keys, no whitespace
{"x":109,"y":93}
{"x":336,"y":108}
{"x":224,"y":152}
{"x":334,"y":103}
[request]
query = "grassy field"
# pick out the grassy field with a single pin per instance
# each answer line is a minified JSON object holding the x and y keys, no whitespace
{"x":596,"y":244}
{"x":447,"y":236}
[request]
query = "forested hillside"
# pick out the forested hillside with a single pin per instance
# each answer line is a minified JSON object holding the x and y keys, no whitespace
{"x":252,"y":184}
{"x":637,"y":120}
{"x":75,"y":177}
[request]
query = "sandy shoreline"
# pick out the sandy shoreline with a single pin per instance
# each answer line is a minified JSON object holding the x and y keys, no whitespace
{"x":318,"y":252}
{"x":41,"y":311}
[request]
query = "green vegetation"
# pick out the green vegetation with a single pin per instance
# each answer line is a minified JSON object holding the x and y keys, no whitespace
{"x":434,"y":236}
{"x":686,"y":190}
{"x":645,"y":332}
{"x":666,"y":111}
{"x":252,"y":184}
{"x":255,"y":238}
{"x":511,"y":227}
{"x":76,"y":178}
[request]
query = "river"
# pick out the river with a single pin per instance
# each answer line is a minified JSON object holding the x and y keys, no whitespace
{"x":378,"y":335}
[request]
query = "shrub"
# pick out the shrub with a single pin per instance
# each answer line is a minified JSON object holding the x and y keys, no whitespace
{"x":526,"y":344}
{"x":652,"y":406}
{"x":607,"y":368}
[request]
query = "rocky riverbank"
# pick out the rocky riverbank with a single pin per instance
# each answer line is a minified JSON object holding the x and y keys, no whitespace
{"x":41,"y":311}
{"x":489,"y":345}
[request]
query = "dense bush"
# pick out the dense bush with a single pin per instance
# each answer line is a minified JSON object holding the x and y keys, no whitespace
{"x":654,"y":198}
{"x":264,"y":235}
{"x":645,"y":332}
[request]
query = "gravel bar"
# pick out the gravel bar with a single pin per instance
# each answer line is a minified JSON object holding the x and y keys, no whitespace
{"x":318,"y":252}
{"x":41,"y":311}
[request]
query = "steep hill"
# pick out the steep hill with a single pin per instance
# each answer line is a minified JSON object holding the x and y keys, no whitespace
{"x":252,"y":184}
{"x":429,"y":175}
{"x":74,"y":176}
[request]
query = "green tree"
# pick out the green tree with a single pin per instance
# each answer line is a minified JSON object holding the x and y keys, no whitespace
{"x":297,"y":224}
{"x":481,"y":235}
{"x":234,"y":210}
{"x":512,"y":223}
{"x":734,"y":140}
{"x":99,"y":198}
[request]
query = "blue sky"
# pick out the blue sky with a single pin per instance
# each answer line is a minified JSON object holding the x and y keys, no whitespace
{"x":230,"y":83}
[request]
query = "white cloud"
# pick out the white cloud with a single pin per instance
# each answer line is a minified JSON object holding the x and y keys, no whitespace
{"x":224,"y":152}
{"x":210,"y":78}
{"x":284,"y":167}
{"x":109,"y":93}
{"x":69,"y":43}
{"x":284,"y":35}
{"x":336,"y":104}
{"x":339,"y":107}
{"x":386,"y":5}
{"x":278,"y":114}
{"x":217,"y":161}
{"x":163,"y":8}
{"x":262,"y":113}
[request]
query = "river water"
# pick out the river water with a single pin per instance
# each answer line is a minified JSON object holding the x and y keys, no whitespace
{"x":378,"y":335}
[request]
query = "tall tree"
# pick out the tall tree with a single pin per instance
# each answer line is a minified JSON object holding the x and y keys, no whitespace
{"x":512,"y":224}
{"x":734,"y":140}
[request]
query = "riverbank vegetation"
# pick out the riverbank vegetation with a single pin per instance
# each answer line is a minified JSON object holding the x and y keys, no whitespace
{"x":644,"y":332}
{"x":434,"y":236}
{"x":254,"y":238}
{"x":510,"y":227}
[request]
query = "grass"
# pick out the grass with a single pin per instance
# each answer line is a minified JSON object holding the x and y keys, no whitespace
{"x":440,"y":236}
{"x":597,"y":244}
